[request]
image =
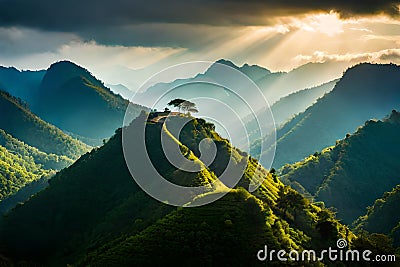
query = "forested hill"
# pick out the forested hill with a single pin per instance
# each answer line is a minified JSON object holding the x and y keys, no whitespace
{"x":364,"y":92}
{"x":30,"y":149}
{"x":93,"y":213}
{"x":355,"y":172}
{"x":71,"y":98}
{"x":383,"y":216}
{"x":16,"y":119}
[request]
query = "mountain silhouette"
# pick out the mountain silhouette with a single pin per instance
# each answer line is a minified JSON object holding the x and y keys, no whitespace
{"x":71,"y":98}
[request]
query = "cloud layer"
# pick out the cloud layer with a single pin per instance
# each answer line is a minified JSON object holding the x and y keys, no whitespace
{"x":113,"y":37}
{"x":76,"y":14}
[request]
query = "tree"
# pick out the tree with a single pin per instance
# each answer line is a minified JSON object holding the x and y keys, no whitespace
{"x":176,"y":103}
{"x":185,"y":105}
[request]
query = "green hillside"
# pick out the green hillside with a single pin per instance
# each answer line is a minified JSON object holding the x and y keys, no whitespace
{"x":355,"y":172}
{"x":383,"y":216}
{"x":17,"y":171}
{"x":108,"y":220}
{"x":24,"y":168}
{"x":22,"y":124}
{"x":46,"y":161}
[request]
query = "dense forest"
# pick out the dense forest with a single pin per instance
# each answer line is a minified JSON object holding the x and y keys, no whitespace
{"x":22,"y":124}
{"x":340,"y":175}
{"x":366,"y":91}
{"x":109,"y":220}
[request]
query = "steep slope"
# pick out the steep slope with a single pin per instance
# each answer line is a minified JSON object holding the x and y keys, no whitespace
{"x":17,"y":120}
{"x":288,"y":106}
{"x":383,"y":216}
{"x":122,"y":90}
{"x":76,"y":102}
{"x":22,"y":84}
{"x":365,"y":91}
{"x":94,"y":213}
{"x":353,"y":174}
{"x":45,"y":160}
{"x":16,"y":171}
{"x":25,"y":168}
{"x":285,"y":109}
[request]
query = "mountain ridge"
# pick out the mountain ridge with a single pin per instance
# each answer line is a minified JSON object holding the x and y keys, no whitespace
{"x":345,"y":176}
{"x":357,"y":97}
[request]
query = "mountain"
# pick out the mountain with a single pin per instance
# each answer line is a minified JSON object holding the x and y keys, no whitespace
{"x":21,"y":84}
{"x":289,"y":106}
{"x":17,"y":120}
{"x":283,"y":110}
{"x":24,"y":170}
{"x":226,"y":90}
{"x":355,"y":172}
{"x":69,"y":97}
{"x":73,"y":100}
{"x":93,"y":213}
{"x":45,"y":160}
{"x":365,"y":91}
{"x":273,"y":85}
{"x":254,"y":72}
{"x":122,"y":90}
{"x":31,"y":150}
{"x":383,"y":216}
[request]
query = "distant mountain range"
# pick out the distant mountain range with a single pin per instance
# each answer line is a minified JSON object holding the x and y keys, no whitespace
{"x":71,"y":98}
{"x":274,"y":85}
{"x":364,"y":92}
{"x":283,"y":110}
{"x":289,"y":106}
{"x":122,"y":90}
{"x":231,"y":105}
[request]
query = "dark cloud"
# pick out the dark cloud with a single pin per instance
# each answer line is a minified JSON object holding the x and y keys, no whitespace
{"x":77,"y":14}
{"x":391,"y":56}
{"x":175,"y":23}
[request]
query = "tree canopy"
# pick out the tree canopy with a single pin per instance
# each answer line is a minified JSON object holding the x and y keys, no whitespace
{"x":183,"y":105}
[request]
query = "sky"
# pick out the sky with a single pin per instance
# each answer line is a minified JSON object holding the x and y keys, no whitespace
{"x":126,"y":41}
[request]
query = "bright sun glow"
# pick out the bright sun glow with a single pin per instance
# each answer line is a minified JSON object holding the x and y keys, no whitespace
{"x":329,"y":24}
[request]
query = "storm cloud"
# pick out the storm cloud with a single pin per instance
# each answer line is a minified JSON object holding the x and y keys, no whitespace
{"x":76,"y":15}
